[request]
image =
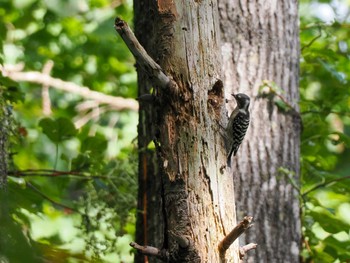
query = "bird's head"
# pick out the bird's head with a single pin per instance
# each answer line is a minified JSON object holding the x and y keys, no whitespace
{"x":242,"y":100}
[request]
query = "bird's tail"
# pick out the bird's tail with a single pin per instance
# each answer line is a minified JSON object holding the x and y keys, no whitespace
{"x":229,"y":160}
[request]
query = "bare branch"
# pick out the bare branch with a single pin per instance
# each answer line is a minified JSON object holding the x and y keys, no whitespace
{"x":147,"y":250}
{"x":151,"y":251}
{"x":342,"y":113}
{"x":324,"y":184}
{"x":117,"y":103}
{"x":65,"y":207}
{"x":57,"y":173}
{"x":183,"y":241}
{"x":243,"y":250}
{"x":312,"y":40}
{"x":86,"y":115}
{"x":45,"y":90}
{"x":153,"y":70}
{"x":234,"y":234}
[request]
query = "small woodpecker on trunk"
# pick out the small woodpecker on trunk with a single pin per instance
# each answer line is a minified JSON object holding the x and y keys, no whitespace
{"x":238,"y":124}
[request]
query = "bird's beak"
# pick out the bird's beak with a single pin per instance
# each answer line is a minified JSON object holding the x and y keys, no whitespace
{"x":233,"y":95}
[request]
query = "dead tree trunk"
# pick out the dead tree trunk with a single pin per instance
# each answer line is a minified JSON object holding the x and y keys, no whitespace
{"x":260,"y":42}
{"x":186,"y":199}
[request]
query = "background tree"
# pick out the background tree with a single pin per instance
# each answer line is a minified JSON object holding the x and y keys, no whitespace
{"x":261,"y":58}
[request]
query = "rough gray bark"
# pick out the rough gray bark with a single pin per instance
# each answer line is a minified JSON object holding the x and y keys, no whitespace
{"x":185,"y":187}
{"x":261,"y":42}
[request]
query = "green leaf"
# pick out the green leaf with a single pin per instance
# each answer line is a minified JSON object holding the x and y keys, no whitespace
{"x":9,"y":89}
{"x":342,"y":138}
{"x":94,"y":145}
{"x":81,"y":162}
{"x":282,"y":105}
{"x":23,"y":197}
{"x":336,"y":248}
{"x":58,"y":130}
{"x":328,"y":221}
{"x":331,"y":69}
{"x":13,"y":94}
{"x":151,"y":146}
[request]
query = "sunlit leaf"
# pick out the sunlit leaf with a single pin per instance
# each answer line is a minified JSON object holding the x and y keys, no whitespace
{"x":58,"y":130}
{"x":94,"y":145}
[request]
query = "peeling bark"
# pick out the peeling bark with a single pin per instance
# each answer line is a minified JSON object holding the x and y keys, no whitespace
{"x":185,"y":188}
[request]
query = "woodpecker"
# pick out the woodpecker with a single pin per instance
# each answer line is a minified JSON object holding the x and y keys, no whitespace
{"x":238,"y":124}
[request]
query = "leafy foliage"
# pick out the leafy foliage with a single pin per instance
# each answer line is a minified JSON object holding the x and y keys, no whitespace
{"x":73,"y":187}
{"x":324,"y":89}
{"x":58,"y":130}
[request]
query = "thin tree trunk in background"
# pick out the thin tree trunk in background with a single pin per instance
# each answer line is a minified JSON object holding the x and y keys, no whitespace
{"x":185,"y":188}
{"x":150,"y":224}
{"x":3,"y":143}
{"x":261,"y":42}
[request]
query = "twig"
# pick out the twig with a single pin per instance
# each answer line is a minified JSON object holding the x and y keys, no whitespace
{"x":153,"y":70}
{"x":150,"y":251}
{"x":325,"y":184}
{"x":117,"y":103}
{"x":323,"y":25}
{"x":65,"y":207}
{"x":307,"y":245}
{"x":183,"y":241}
{"x":274,"y":92}
{"x":243,"y":250}
{"x":45,"y":90}
{"x":234,"y":234}
{"x":313,"y":40}
{"x":290,"y":174}
{"x":55,"y":173}
{"x":342,"y":113}
{"x":81,"y":120}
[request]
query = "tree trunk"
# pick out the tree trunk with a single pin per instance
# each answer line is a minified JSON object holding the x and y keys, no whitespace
{"x":260,"y":41}
{"x":185,"y":189}
{"x":4,"y":127}
{"x":186,"y":192}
